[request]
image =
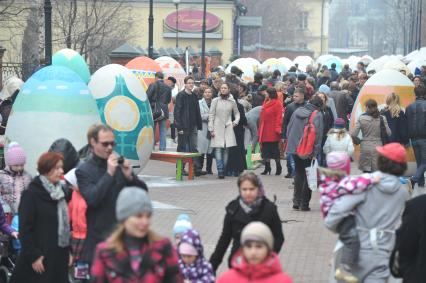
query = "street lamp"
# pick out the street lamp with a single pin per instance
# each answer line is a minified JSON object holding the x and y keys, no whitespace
{"x":203,"y":42}
{"x":48,"y":32}
{"x":151,"y":30}
{"x":176,"y":2}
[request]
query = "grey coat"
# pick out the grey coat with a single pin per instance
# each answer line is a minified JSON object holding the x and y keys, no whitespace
{"x":379,"y":208}
{"x":220,"y":122}
{"x":370,"y":130}
{"x":253,"y":124}
{"x":296,"y":127}
{"x":203,"y":144}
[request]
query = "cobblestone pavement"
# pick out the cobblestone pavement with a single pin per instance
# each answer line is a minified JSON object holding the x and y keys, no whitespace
{"x":308,"y":244}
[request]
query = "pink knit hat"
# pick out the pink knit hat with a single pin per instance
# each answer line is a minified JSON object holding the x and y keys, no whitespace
{"x":15,"y":155}
{"x":339,"y":160}
{"x":187,"y":249}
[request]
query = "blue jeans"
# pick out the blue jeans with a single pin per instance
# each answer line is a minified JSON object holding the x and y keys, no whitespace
{"x":221,"y":156}
{"x":419,"y":146}
{"x":163,"y":133}
{"x":290,"y":164}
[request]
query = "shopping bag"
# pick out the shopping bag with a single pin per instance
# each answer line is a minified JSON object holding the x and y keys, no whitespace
{"x":312,"y":175}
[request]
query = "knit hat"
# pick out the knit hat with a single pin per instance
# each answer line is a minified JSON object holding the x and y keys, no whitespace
{"x":257,"y":231}
{"x":262,"y":88}
{"x":339,"y":123}
{"x":182,"y":224}
{"x":15,"y":155}
{"x":339,"y":160}
{"x":131,"y":201}
{"x":393,"y":151}
{"x":187,"y":249}
{"x":324,"y":88}
{"x":301,"y":77}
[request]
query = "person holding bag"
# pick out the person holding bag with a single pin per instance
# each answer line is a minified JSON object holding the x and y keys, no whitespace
{"x":160,"y":95}
{"x":372,"y":125}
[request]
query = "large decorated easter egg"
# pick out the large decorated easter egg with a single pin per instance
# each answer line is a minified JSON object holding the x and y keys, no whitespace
{"x":378,"y":87}
{"x":272,"y":64}
{"x":172,"y":68}
{"x":72,"y":60}
{"x":124,"y":106}
{"x":53,"y":103}
{"x":144,"y":68}
{"x":249,"y":66}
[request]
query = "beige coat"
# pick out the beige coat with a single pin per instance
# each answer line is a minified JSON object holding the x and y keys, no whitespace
{"x":220,"y":122}
{"x":370,"y":130}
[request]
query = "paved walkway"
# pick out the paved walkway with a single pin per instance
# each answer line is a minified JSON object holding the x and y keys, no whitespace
{"x":307,"y":249}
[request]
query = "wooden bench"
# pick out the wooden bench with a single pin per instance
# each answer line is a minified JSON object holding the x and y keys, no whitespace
{"x":178,"y":158}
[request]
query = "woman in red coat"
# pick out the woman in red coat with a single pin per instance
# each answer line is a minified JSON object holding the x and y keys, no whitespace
{"x":271,"y":119}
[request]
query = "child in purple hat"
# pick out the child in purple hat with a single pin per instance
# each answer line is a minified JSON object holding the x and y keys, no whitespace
{"x":192,"y":263}
{"x":13,"y":179}
{"x":338,"y":139}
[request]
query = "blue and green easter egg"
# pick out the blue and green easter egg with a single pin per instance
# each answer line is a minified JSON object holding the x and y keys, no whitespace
{"x":72,"y":60}
{"x":124,"y":106}
{"x":53,"y":103}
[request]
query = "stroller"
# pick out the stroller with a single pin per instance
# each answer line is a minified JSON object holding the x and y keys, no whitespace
{"x":9,"y":250}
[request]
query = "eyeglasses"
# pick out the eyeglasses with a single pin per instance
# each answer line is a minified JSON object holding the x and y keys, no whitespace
{"x":107,"y":143}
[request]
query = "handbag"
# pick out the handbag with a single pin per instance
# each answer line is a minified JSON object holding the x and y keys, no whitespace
{"x":157,"y":111}
{"x":312,"y":175}
{"x":383,"y":134}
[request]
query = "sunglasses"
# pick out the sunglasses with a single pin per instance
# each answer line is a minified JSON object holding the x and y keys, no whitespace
{"x":107,"y":143}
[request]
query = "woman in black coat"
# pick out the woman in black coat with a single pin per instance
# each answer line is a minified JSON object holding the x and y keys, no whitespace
{"x":237,"y":154}
{"x":44,"y":226}
{"x":251,"y":205}
{"x":397,"y":120}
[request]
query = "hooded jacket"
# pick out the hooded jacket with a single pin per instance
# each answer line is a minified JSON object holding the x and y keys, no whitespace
{"x":296,"y":127}
{"x":201,"y":270}
{"x":377,"y":214}
{"x":269,"y":271}
{"x":68,"y":151}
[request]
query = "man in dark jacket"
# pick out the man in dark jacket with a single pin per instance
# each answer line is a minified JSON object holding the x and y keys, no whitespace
{"x":298,"y":101}
{"x":408,"y":259}
{"x":100,"y":179}
{"x":160,"y":95}
{"x":342,"y":101}
{"x":346,"y":72}
{"x":333,"y":73}
{"x":302,"y":193}
{"x":188,"y":120}
{"x":416,"y":116}
{"x":259,"y":97}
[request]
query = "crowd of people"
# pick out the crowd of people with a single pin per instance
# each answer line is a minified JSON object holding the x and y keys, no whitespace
{"x":87,"y":217}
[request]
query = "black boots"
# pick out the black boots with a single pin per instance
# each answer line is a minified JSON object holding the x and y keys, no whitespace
{"x":267,"y":170}
{"x":279,"y":167}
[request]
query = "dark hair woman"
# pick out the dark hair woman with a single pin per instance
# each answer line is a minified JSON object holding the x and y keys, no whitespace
{"x":270,"y":126}
{"x":396,"y":118}
{"x":251,"y":205}
{"x":369,"y":125}
{"x":133,"y":252}
{"x":44,"y":226}
{"x":327,"y":115}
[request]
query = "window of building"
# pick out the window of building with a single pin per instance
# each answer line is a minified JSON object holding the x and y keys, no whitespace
{"x":303,"y":45}
{"x":303,"y":21}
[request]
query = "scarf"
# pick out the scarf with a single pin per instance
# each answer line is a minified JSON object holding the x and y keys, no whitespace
{"x":248,"y":208}
{"x":56,"y":193}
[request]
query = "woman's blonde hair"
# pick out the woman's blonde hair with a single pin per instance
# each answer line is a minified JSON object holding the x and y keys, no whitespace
{"x":116,"y":240}
{"x":341,"y":133}
{"x":279,"y":86}
{"x":393,"y":104}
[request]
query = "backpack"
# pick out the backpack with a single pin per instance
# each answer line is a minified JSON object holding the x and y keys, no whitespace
{"x":306,"y":145}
